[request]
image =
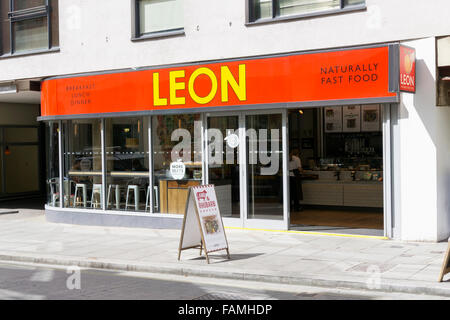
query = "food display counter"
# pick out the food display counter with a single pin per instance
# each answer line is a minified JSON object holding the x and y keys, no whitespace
{"x":327,"y":190}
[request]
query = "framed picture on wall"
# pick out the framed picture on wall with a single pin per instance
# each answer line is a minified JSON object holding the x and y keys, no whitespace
{"x":333,"y":119}
{"x":351,"y":118}
{"x":370,"y":118}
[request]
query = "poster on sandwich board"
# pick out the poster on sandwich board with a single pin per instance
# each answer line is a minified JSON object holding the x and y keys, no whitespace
{"x":202,"y":223}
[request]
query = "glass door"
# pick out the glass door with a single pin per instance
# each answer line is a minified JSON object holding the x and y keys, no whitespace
{"x":246,"y":161}
{"x":223,"y":151}
{"x":265,"y":171}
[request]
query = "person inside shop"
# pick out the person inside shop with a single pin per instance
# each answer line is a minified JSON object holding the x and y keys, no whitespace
{"x":295,"y":183}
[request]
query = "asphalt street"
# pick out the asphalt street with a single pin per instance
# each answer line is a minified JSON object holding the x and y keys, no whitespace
{"x":38,"y":282}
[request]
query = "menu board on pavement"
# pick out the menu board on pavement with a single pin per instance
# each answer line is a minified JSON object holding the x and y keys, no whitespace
{"x":202,"y":223}
{"x":446,"y":264}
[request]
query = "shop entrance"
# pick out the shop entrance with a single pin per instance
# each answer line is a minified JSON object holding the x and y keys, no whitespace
{"x":246,"y":161}
{"x":339,"y":187}
{"x":20,"y":162}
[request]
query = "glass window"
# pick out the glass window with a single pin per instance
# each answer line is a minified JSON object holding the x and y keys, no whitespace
{"x":159,"y":15}
{"x":261,"y":9}
{"x":26,"y":4}
{"x":290,"y":7}
{"x":83,"y":163}
{"x":127,"y":163}
{"x":29,"y":22}
{"x":353,"y":2}
{"x":30,"y":34}
{"x":177,"y":160}
{"x":53,"y":192}
{"x":28,"y":25}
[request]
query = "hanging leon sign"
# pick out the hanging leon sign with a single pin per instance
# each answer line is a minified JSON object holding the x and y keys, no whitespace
{"x":407,"y":69}
{"x":202,"y":224}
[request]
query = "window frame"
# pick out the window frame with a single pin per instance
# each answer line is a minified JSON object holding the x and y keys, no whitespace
{"x":276,"y":17}
{"x":29,"y":14}
{"x":138,"y":35}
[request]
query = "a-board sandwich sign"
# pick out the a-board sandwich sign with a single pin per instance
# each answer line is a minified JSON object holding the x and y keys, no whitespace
{"x":202,"y":223}
{"x":446,"y":264}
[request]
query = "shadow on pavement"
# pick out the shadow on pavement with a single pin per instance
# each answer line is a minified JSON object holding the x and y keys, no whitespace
{"x":223,"y":257}
{"x":27,"y":203}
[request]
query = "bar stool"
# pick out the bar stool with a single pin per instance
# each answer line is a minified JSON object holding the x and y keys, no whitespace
{"x":115,"y":195}
{"x":54,"y":191}
{"x":96,"y":190}
{"x":82,"y":187}
{"x":147,"y":200}
{"x":135,"y":189}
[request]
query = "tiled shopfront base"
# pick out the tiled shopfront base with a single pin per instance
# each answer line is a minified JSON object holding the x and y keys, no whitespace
{"x":113,"y":219}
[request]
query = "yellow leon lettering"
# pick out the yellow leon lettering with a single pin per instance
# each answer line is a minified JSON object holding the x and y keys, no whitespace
{"x":211,"y":94}
{"x":177,"y":83}
{"x":157,"y":101}
{"x":227,"y":78}
{"x":175,"y":86}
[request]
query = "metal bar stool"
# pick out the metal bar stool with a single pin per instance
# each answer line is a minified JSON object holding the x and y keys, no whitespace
{"x":82,"y":187}
{"x":147,"y":200}
{"x":96,"y":190}
{"x":54,"y":191}
{"x":134,"y":189}
{"x":115,"y":195}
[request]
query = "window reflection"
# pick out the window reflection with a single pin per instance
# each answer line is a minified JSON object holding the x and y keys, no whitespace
{"x":127,"y":159}
{"x":82,"y":164}
{"x":177,"y":160}
{"x":53,"y":194}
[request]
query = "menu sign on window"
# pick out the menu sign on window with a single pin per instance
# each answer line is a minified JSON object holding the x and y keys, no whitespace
{"x":370,"y":118}
{"x":177,"y":170}
{"x":333,"y":119}
{"x":202,"y":223}
{"x":351,"y":118}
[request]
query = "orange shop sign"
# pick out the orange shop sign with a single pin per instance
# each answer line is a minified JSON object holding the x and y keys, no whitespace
{"x":312,"y":77}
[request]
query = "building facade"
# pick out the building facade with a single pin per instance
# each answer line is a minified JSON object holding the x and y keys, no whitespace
{"x":141,"y":99}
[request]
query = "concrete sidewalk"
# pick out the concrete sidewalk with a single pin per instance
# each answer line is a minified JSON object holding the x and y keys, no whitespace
{"x":277,"y":257}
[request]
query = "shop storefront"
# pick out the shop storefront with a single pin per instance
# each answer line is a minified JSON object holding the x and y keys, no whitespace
{"x":125,"y":146}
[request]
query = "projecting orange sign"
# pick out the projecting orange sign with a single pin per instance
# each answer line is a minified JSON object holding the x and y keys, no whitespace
{"x":324,"y":76}
{"x":407,"y":69}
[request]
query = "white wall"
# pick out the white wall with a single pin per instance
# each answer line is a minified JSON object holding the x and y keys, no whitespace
{"x":95,"y":35}
{"x":422,"y":148}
